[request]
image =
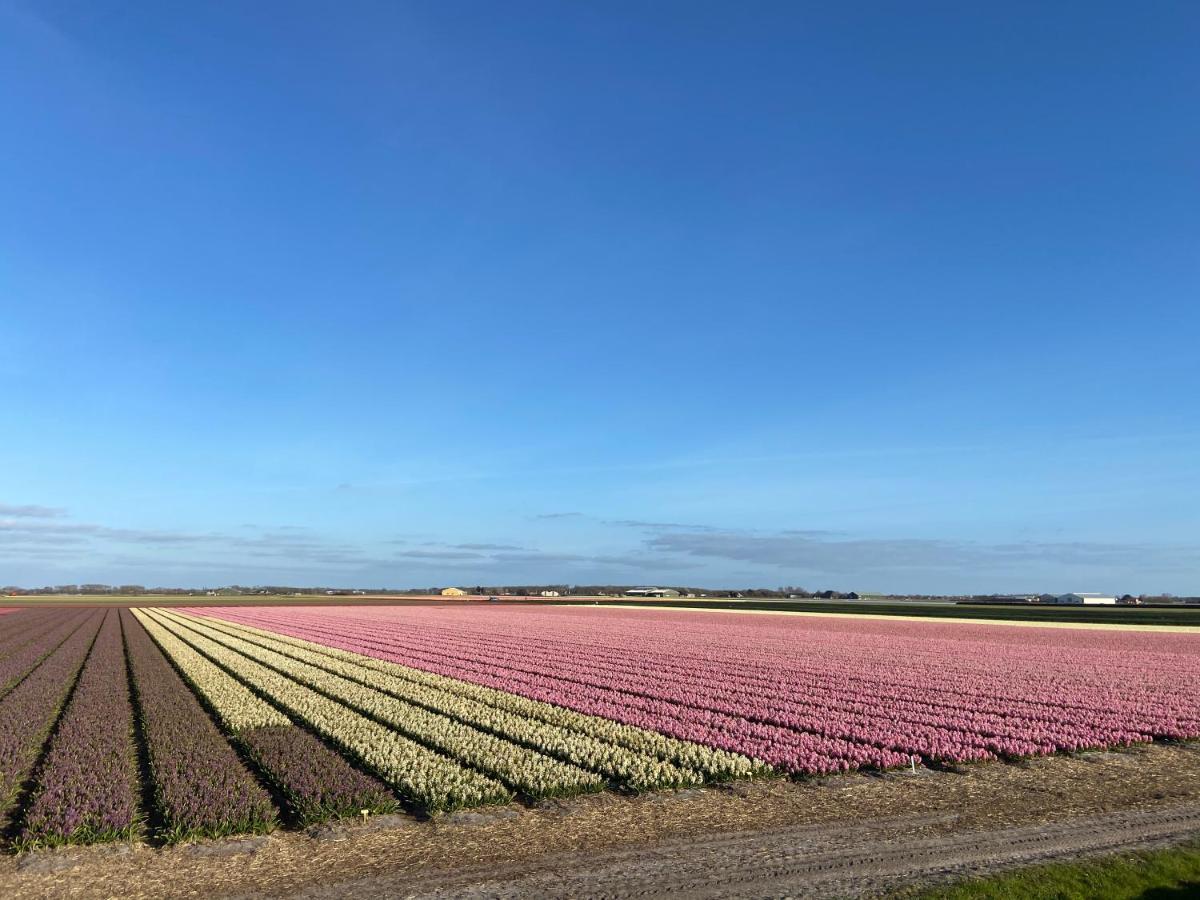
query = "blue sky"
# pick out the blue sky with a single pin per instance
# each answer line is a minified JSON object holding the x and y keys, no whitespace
{"x":875,"y":296}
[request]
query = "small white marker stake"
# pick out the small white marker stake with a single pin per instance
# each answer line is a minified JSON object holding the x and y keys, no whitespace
{"x":364,"y":813}
{"x":912,"y":761}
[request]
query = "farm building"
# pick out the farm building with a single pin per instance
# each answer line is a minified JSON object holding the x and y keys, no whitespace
{"x":1085,"y":599}
{"x":652,"y":592}
{"x":453,"y":592}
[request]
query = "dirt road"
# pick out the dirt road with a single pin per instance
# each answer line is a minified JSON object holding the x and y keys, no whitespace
{"x":837,"y":836}
{"x":810,"y":861}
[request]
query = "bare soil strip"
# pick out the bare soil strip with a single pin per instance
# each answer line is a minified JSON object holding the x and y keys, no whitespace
{"x":1098,"y":626}
{"x":811,"y":861}
{"x":835,"y":836}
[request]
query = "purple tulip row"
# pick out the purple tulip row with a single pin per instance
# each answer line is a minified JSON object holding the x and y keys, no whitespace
{"x":28,"y":711}
{"x":316,"y":782}
{"x":26,"y":649}
{"x":12,"y":621}
{"x":199,"y":785}
{"x":87,"y":787}
{"x":17,"y":630}
{"x":17,"y":626}
{"x":806,"y":695}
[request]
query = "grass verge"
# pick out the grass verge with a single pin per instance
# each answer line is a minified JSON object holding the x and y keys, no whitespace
{"x":1168,"y":874}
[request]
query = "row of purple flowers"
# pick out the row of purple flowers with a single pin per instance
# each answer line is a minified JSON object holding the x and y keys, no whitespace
{"x":24,"y":625}
{"x":200,"y":787}
{"x":316,"y":783}
{"x":28,"y":711}
{"x":87,"y":788}
{"x":23,"y":648}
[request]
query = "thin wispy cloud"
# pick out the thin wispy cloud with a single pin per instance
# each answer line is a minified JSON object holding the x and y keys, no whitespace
{"x":30,"y":511}
{"x":638,"y":550}
{"x":284,"y":542}
{"x":656,"y":526}
{"x":818,"y":553}
{"x":440,"y":554}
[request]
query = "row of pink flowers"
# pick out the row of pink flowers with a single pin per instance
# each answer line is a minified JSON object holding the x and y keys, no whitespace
{"x":806,"y":694}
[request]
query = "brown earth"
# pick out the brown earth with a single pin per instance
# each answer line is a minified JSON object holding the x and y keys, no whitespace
{"x":848,"y":835}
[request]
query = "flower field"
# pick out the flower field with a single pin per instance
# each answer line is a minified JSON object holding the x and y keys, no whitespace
{"x":175,"y":724}
{"x":807,"y":695}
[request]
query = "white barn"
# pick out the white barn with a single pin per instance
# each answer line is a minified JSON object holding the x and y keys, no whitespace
{"x":1083,"y":599}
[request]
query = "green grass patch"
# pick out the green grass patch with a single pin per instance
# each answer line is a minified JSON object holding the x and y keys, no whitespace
{"x":1170,"y":874}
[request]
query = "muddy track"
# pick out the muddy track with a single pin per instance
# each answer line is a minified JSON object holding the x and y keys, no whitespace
{"x":810,"y":861}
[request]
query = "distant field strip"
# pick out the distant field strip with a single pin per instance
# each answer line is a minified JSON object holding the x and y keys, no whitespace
{"x":1178,"y":620}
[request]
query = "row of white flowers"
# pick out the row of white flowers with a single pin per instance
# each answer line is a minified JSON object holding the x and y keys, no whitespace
{"x":428,"y":779}
{"x":688,"y":757}
{"x":521,"y":768}
{"x":632,"y":769}
{"x":235,"y":704}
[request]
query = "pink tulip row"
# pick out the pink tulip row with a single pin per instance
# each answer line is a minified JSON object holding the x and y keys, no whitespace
{"x":806,"y":694}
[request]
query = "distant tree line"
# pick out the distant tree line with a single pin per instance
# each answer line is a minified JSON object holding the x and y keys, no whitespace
{"x":136,"y":590}
{"x":787,"y":592}
{"x":510,"y":590}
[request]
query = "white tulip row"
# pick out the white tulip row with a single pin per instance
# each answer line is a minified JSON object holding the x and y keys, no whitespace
{"x":629,"y":768}
{"x":236,"y":705}
{"x":687,"y":757}
{"x":525,"y":770}
{"x":428,"y":779}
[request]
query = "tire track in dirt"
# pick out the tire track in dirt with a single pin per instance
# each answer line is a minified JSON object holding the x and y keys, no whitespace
{"x":809,"y":861}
